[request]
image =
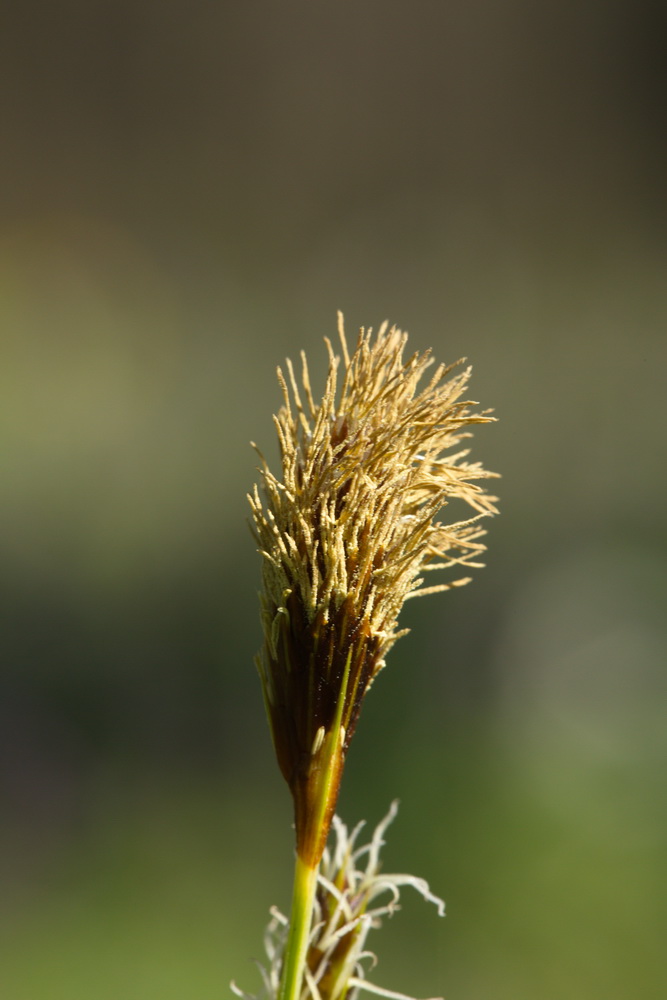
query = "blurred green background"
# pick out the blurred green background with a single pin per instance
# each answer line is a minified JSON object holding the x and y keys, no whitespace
{"x":188,"y":193}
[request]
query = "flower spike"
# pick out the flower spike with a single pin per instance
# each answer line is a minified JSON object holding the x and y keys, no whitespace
{"x":346,"y":533}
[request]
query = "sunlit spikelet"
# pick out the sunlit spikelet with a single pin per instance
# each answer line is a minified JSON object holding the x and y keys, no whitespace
{"x":347,"y":533}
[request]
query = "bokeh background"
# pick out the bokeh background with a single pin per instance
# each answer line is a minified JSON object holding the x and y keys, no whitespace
{"x":188,"y":192}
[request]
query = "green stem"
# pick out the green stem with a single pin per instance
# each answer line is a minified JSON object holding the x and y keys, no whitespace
{"x":294,"y":961}
{"x":314,"y":806}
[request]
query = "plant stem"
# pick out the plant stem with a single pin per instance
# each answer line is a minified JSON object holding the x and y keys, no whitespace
{"x":294,"y":961}
{"x":315,"y":802}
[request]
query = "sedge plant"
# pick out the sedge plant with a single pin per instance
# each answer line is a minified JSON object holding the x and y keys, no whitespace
{"x":347,"y":533}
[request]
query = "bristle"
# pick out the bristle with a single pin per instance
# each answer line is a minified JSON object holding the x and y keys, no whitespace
{"x":353,"y":896}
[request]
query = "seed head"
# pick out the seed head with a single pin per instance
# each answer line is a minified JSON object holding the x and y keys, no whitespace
{"x":346,"y":534}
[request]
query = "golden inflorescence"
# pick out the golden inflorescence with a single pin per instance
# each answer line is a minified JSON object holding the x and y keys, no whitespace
{"x":346,"y":535}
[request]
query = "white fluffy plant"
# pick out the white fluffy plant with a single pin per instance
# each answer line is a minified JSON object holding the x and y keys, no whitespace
{"x":351,"y":898}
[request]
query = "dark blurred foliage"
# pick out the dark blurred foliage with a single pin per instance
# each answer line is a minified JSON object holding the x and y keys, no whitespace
{"x":188,"y":193}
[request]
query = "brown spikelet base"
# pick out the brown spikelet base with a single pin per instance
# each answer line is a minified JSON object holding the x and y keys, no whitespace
{"x":320,"y":674}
